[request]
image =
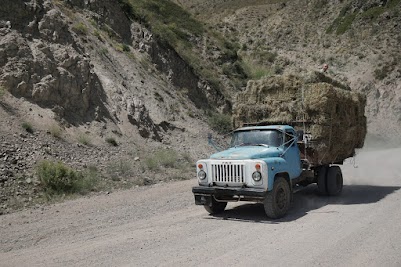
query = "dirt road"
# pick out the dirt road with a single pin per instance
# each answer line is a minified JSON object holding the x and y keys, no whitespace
{"x":160,"y":225}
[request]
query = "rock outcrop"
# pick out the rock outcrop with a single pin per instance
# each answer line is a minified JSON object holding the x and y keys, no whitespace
{"x":42,"y":62}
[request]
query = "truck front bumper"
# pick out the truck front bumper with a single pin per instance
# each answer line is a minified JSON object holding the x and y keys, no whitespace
{"x":204,"y":195}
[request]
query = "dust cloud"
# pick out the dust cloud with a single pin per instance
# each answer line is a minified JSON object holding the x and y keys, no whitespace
{"x":378,"y":163}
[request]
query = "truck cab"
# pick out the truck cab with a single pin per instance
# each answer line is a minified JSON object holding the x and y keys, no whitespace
{"x":262,"y":164}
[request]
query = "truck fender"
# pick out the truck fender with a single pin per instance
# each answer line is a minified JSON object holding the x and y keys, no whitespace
{"x":285,"y":175}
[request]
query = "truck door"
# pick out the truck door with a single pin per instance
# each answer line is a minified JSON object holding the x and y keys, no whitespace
{"x":292,"y":154}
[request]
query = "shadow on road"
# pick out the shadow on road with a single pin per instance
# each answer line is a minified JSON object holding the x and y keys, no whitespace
{"x":306,"y":201}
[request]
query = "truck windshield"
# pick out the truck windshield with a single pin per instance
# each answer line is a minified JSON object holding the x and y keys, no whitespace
{"x":257,"y":137}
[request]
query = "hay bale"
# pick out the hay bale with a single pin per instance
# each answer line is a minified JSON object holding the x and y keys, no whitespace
{"x":325,"y":109}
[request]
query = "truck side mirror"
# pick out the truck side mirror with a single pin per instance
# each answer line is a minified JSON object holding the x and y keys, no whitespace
{"x":300,"y":135}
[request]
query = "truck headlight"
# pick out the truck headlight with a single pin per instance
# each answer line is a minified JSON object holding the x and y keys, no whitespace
{"x":256,"y":176}
{"x":202,"y":175}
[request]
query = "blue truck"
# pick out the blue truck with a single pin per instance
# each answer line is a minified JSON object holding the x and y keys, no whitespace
{"x":263,"y":164}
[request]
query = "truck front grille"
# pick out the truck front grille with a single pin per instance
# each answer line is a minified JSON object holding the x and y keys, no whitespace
{"x":228,"y":172}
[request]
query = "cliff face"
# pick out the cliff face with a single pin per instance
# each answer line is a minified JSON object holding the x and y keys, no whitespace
{"x":47,"y":60}
{"x":42,"y":62}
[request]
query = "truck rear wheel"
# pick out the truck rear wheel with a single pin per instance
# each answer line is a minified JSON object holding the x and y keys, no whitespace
{"x":278,"y":200}
{"x":215,"y":207}
{"x":322,"y":180}
{"x":334,"y":181}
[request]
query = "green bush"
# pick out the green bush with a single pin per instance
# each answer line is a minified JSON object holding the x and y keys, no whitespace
{"x":126,"y":48}
{"x":162,"y":158}
{"x":27,"y":126}
{"x":345,"y":23}
{"x":80,"y":28}
{"x":151,"y":164}
{"x":220,"y":122}
{"x":374,"y":12}
{"x":58,"y":178}
{"x":55,"y":131}
{"x":103,"y":51}
{"x":393,"y":4}
{"x":111,"y":141}
{"x":2,"y":91}
{"x":84,"y":139}
{"x":97,"y":34}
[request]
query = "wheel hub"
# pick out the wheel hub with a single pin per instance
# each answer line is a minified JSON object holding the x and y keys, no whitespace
{"x":281,"y":198}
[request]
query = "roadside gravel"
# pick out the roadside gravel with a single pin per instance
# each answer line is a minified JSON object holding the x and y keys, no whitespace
{"x":160,"y":226}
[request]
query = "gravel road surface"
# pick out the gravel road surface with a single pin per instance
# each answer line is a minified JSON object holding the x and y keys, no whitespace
{"x":161,"y":226}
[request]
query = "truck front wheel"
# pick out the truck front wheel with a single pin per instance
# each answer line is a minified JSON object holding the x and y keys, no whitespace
{"x":278,"y":200}
{"x":215,"y":207}
{"x":334,"y":181}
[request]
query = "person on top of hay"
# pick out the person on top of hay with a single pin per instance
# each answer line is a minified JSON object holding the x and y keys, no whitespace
{"x":324,"y":68}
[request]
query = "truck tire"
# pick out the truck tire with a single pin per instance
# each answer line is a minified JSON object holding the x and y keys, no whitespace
{"x":334,"y":181}
{"x":322,"y":180}
{"x":215,"y":207}
{"x":278,"y":200}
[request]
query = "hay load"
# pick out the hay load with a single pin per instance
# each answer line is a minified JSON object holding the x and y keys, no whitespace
{"x":327,"y":111}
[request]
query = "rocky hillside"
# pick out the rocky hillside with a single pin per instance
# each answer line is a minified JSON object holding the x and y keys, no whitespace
{"x":101,"y":89}
{"x":360,"y":40}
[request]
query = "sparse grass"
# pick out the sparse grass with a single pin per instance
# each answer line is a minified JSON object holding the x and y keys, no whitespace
{"x":97,"y":34}
{"x":162,"y":158}
{"x":122,"y":48}
{"x":55,"y":130}
{"x":174,"y":27}
{"x":110,"y":32}
{"x":187,"y":157}
{"x":256,"y":71}
{"x":381,"y":73}
{"x":220,"y":122}
{"x":393,"y":4}
{"x":174,"y":108}
{"x":84,"y":139}
{"x":103,"y":51}
{"x":266,"y":56}
{"x":259,"y":72}
{"x":80,"y":28}
{"x":343,"y":24}
{"x":27,"y":126}
{"x":320,"y":4}
{"x":111,"y":141}
{"x":119,"y":170}
{"x":2,"y":91}
{"x":126,"y":48}
{"x":57,"y":178}
{"x":345,"y":19}
{"x":93,"y":22}
{"x":373,"y":13}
